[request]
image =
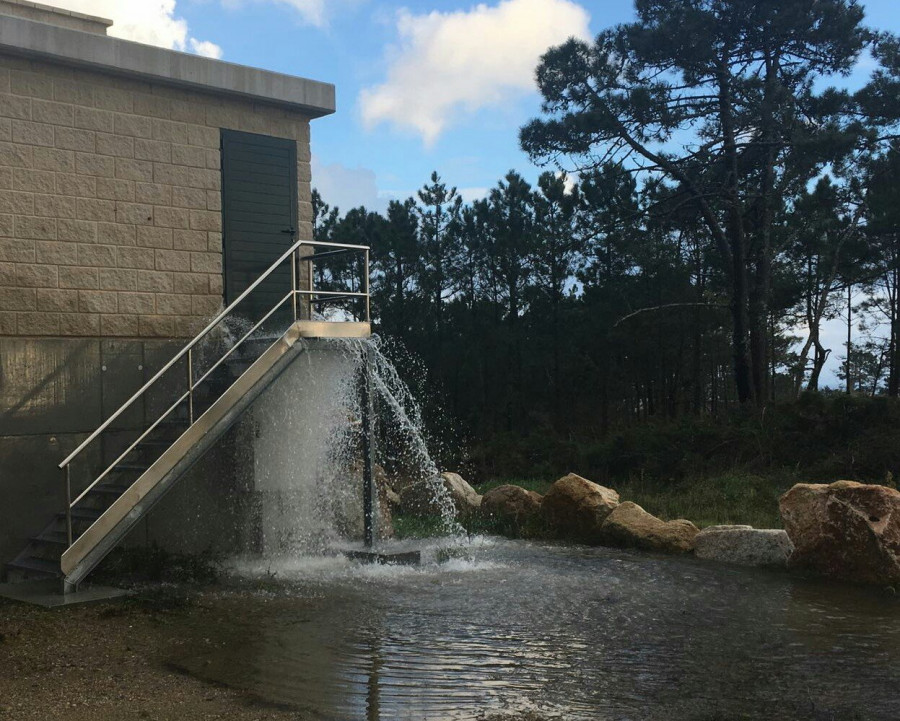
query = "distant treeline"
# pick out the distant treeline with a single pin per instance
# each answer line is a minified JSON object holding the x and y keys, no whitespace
{"x":725,"y":203}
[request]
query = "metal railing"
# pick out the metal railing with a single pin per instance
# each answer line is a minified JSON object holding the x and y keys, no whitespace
{"x":295,"y":295}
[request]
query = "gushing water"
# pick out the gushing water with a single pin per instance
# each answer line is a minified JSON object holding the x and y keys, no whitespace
{"x":307,"y":452}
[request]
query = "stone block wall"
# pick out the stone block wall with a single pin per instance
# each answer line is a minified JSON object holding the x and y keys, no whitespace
{"x":110,"y":201}
{"x":55,"y":16}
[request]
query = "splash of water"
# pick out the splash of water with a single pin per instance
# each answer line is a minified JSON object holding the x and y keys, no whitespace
{"x":404,"y":414}
{"x":307,"y":453}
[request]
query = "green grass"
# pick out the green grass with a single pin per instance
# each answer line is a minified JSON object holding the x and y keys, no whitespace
{"x":729,"y":498}
{"x":418,"y":526}
{"x":735,"y":497}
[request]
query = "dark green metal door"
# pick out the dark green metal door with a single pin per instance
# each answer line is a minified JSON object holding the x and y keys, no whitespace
{"x":259,"y":216}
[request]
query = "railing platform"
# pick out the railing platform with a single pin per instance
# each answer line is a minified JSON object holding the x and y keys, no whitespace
{"x":333,"y":329}
{"x":45,"y":593}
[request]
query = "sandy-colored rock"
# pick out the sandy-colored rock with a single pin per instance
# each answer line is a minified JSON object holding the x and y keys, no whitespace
{"x":847,"y":530}
{"x":631,"y":526}
{"x":744,"y":545}
{"x":575,"y":508}
{"x":466,"y":499}
{"x":424,"y":497}
{"x":511,"y":503}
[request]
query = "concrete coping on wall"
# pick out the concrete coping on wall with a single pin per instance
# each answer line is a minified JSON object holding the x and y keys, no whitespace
{"x":50,"y":14}
{"x":42,"y":41}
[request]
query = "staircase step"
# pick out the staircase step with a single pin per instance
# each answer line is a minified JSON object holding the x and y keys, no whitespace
{"x":36,"y":565}
{"x":131,"y":467}
{"x":54,"y":538}
{"x":109,"y":489}
{"x":153,"y":444}
{"x":82,"y":514}
{"x":178,"y":423}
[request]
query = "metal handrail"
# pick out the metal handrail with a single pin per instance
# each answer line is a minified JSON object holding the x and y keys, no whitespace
{"x":187,"y":352}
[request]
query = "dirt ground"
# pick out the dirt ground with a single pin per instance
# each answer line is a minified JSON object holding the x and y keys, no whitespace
{"x":109,"y":661}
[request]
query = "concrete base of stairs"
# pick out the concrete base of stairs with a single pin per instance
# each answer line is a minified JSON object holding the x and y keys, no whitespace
{"x":48,"y":593}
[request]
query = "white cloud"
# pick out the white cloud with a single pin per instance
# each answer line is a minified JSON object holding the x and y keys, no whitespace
{"x":454,"y":62}
{"x":345,"y":188}
{"x":145,"y":21}
{"x":569,"y":179}
{"x":311,"y":11}
{"x":205,"y":48}
{"x":474,"y":193}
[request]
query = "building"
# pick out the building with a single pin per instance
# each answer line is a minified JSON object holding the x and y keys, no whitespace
{"x":140,"y":188}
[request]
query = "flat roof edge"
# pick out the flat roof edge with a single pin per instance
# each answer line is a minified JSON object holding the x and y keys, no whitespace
{"x":62,"y":11}
{"x":31,"y":39}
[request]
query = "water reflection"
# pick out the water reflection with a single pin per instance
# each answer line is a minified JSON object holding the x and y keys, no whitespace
{"x":564,"y":633}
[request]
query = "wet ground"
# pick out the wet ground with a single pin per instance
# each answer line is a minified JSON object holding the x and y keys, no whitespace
{"x":523,"y":630}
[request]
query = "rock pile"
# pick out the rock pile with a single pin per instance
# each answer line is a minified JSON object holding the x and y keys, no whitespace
{"x":846,"y":530}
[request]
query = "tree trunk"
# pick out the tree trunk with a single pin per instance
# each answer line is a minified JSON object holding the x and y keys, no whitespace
{"x":735,"y":228}
{"x":893,"y":289}
{"x":759,"y":293}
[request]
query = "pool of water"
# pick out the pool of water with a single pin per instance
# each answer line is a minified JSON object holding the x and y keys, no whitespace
{"x":509,"y":630}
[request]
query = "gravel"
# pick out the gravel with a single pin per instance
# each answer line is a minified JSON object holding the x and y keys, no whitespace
{"x":109,"y":661}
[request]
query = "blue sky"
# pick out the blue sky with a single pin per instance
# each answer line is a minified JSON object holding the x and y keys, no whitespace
{"x":358,"y":44}
{"x":440,"y":85}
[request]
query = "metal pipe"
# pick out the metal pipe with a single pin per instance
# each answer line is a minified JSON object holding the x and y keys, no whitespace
{"x":366,"y":286}
{"x":69,"y":505}
{"x":190,"y":385}
{"x":334,"y":299}
{"x":294,"y":266}
{"x":325,"y":244}
{"x":368,"y":449}
{"x":342,"y":293}
{"x":313,"y":257}
{"x":311,"y":278}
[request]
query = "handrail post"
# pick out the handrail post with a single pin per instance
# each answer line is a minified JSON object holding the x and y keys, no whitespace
{"x":69,"y":505}
{"x":310,"y":277}
{"x":366,"y":286}
{"x":295,"y":263}
{"x":190,"y":385}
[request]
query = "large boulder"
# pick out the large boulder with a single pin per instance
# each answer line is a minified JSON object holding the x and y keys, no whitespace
{"x":464,"y":497}
{"x":845,"y":529}
{"x":511,"y":504}
{"x":744,"y":545}
{"x":426,"y":497}
{"x":631,"y":526}
{"x":575,"y":508}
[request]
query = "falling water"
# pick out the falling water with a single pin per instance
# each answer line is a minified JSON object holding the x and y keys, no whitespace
{"x":307,"y":456}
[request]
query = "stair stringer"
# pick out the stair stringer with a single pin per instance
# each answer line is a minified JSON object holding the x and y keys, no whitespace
{"x":107,"y":531}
